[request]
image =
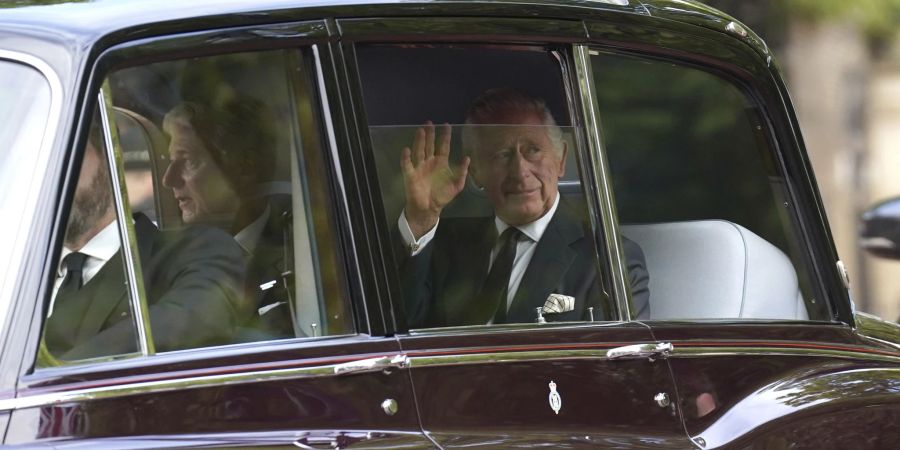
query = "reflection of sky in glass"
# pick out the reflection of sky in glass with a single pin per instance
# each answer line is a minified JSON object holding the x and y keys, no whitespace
{"x":24,"y":107}
{"x":782,"y":398}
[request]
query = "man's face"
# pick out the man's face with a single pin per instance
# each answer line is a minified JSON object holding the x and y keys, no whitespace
{"x":203,"y":193}
{"x":93,"y":198}
{"x":518,"y":167}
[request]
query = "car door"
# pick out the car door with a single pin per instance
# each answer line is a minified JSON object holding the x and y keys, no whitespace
{"x":557,"y":377}
{"x":745,"y":283}
{"x":189,"y":333}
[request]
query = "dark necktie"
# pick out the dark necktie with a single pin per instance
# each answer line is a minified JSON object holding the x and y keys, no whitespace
{"x":74,"y":265}
{"x":492,"y":297}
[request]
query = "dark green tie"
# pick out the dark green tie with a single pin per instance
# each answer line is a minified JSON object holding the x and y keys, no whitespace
{"x":492,"y":297}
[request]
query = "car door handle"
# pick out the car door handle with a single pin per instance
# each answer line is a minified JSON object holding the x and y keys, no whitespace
{"x":649,"y":351}
{"x":317,"y":442}
{"x":372,"y":364}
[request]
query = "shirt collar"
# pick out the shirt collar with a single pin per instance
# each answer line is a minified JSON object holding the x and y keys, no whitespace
{"x":533,"y":230}
{"x":249,"y":237}
{"x":102,"y":246}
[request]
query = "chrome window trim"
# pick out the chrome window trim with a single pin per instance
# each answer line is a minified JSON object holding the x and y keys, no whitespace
{"x":424,"y":359}
{"x":140,"y":311}
{"x":596,"y":156}
{"x":339,"y":174}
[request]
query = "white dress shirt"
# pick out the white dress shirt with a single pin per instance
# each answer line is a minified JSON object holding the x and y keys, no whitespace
{"x":531,"y":232}
{"x":99,"y":250}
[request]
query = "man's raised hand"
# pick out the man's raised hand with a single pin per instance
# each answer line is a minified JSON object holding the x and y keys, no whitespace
{"x":429,"y":181}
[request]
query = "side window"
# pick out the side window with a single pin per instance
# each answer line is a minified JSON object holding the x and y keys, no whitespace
{"x":480,"y":180}
{"x":231,"y":211}
{"x":698,"y":187}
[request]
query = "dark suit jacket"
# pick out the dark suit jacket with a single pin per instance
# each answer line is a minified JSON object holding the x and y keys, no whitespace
{"x":444,"y":278}
{"x":193,"y":279}
{"x":269,"y":263}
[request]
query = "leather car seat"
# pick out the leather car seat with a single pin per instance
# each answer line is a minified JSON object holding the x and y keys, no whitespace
{"x":715,"y":269}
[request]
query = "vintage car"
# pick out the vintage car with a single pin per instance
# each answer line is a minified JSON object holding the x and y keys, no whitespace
{"x":203,"y":210}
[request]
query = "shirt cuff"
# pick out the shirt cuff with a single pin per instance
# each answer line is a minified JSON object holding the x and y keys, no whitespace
{"x":414,"y":246}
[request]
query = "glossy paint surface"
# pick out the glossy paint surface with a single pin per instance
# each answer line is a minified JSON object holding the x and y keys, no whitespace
{"x":327,"y":403}
{"x":738,"y":384}
{"x":767,"y":383}
{"x":493,"y":389}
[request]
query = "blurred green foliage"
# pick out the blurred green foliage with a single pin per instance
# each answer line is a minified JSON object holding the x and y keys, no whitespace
{"x":879,"y":18}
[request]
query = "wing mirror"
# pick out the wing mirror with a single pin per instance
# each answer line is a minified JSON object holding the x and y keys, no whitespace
{"x":880,"y":230}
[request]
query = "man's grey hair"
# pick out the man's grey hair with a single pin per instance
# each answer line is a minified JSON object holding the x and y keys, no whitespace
{"x":499,"y":102}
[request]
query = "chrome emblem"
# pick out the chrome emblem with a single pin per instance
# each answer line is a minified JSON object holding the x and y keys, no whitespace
{"x":554,"y":398}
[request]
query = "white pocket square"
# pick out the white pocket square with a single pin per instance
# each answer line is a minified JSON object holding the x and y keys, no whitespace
{"x":558,"y":303}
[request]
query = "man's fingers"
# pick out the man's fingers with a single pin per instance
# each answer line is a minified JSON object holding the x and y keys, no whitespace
{"x":429,"y":139}
{"x":443,"y":149}
{"x":418,"y":148}
{"x":406,"y":164}
{"x":461,"y":172}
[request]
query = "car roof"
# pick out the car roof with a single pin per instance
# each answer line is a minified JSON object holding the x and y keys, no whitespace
{"x":96,"y":18}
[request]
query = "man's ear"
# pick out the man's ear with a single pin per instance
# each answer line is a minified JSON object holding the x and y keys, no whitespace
{"x":562,"y":159}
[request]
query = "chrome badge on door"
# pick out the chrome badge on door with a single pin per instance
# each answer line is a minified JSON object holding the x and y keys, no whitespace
{"x":554,"y":398}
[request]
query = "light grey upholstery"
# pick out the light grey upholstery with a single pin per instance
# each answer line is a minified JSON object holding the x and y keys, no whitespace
{"x":714,"y":269}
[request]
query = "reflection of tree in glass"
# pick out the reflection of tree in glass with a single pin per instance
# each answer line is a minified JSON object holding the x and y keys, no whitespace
{"x":683,"y":145}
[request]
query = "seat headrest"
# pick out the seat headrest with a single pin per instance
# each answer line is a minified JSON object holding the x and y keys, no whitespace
{"x":716,"y":269}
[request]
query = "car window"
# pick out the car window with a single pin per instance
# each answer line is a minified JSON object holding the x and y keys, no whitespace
{"x":234,"y":226}
{"x":479,"y":174}
{"x":699,"y":187}
{"x":24,"y":111}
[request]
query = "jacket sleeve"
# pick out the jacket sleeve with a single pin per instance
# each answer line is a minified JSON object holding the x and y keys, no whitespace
{"x":639,"y":278}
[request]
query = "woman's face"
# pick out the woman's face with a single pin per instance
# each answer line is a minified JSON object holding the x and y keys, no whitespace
{"x":199,"y":185}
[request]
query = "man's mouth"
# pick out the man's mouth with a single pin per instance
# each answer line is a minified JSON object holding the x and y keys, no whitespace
{"x":523,"y":192}
{"x":183,"y":201}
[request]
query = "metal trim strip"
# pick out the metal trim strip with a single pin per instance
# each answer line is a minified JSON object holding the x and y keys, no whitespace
{"x":608,"y":214}
{"x":115,"y":158}
{"x":431,"y":358}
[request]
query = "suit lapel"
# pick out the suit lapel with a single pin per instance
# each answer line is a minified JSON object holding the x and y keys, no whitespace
{"x":548,"y":266}
{"x":106,"y":290}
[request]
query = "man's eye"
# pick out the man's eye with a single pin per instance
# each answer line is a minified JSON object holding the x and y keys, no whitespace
{"x":191,"y":163}
{"x":503,"y":155}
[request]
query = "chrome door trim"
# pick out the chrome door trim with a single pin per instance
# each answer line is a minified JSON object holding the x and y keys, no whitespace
{"x":597,"y":158}
{"x":422,"y":359}
{"x":140,"y":311}
{"x":191,"y":382}
{"x":681,"y":351}
{"x":600,"y":352}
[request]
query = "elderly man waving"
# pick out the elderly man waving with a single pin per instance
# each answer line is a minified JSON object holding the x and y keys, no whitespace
{"x":535,"y":252}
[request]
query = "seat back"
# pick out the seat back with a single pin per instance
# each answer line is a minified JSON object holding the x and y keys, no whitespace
{"x":716,"y":269}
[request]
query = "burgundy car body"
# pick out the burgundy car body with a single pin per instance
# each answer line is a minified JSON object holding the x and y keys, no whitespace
{"x":831,"y":383}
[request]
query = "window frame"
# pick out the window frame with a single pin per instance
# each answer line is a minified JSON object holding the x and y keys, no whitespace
{"x":304,"y":38}
{"x":561,"y":35}
{"x":756,"y":77}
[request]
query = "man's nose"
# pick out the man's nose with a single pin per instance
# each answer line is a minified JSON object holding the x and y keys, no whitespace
{"x":518,"y":165}
{"x":171,"y":178}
